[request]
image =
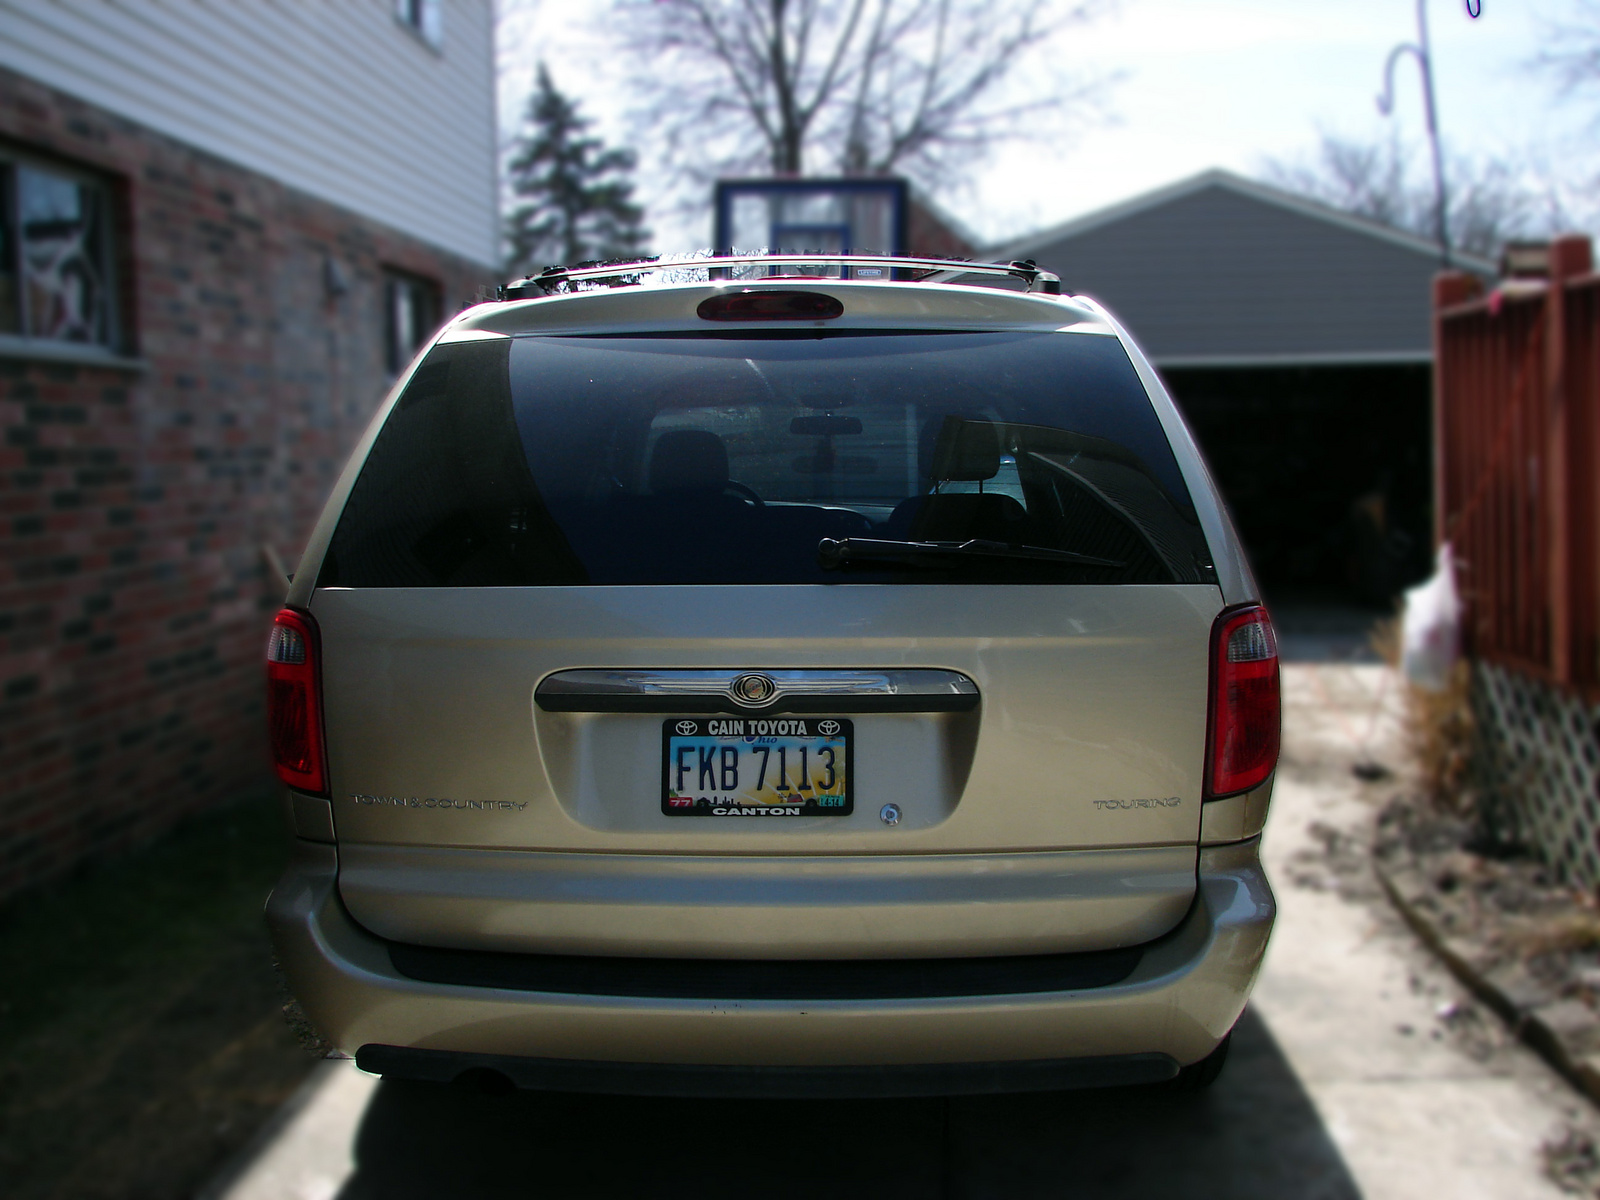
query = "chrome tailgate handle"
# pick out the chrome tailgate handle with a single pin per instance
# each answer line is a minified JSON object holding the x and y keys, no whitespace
{"x":648,"y":690}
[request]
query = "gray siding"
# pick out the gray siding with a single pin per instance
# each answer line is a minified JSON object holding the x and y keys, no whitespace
{"x":1216,"y":275}
{"x":337,"y":99}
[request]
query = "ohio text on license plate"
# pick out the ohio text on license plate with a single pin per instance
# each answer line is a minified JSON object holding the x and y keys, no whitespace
{"x":755,"y":767}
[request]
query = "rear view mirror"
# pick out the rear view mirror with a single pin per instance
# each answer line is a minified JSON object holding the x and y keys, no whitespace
{"x":826,"y":425}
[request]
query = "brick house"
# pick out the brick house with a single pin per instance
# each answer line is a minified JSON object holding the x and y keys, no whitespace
{"x":223,"y":228}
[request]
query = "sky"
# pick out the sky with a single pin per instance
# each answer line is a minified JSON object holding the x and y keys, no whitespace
{"x":1201,"y":84}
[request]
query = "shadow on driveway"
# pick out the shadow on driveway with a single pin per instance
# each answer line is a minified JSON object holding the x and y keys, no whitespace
{"x":1255,"y":1134}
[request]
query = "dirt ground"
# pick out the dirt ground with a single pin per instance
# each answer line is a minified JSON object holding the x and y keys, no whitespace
{"x":142,"y":1041}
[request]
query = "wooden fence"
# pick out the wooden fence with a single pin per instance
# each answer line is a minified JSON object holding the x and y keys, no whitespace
{"x":1517,"y":439}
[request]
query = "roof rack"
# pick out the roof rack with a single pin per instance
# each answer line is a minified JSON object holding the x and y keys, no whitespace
{"x":630,"y":272}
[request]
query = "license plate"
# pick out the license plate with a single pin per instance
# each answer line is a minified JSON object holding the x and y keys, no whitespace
{"x":767,"y":767}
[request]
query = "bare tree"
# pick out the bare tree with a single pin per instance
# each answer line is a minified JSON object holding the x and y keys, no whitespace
{"x":854,"y":86}
{"x":1570,"y":62}
{"x":1491,"y":201}
{"x":1368,"y":179}
{"x":1571,"y":57}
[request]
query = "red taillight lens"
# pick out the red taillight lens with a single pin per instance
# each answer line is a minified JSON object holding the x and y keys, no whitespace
{"x":769,"y":304}
{"x":294,"y":702}
{"x":1243,"y":747}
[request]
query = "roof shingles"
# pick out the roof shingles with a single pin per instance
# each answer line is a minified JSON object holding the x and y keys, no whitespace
{"x":1225,"y":271}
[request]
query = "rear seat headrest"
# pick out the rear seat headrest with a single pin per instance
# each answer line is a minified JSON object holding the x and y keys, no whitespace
{"x":968,"y":451}
{"x":688,"y":460}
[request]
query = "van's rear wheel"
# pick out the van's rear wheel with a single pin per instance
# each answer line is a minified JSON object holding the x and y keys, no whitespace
{"x":1198,"y":1076}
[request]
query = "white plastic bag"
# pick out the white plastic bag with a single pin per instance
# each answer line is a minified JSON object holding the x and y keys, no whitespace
{"x":1430,"y":627}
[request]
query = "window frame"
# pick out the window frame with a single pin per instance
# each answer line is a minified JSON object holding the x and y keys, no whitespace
{"x":110,"y":234}
{"x":396,"y":356}
{"x":423,"y":20}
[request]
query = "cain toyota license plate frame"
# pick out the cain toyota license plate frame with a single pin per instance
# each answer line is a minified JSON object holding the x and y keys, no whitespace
{"x":757,"y":767}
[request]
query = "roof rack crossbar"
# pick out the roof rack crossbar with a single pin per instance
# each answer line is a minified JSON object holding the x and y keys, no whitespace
{"x":626,"y":272}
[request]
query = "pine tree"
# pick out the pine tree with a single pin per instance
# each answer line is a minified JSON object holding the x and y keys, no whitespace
{"x":576,"y":196}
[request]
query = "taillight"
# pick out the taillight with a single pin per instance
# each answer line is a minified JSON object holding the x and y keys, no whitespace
{"x":294,"y":702}
{"x":1242,"y":749}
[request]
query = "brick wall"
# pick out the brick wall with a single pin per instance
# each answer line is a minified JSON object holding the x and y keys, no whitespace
{"x":134,"y":502}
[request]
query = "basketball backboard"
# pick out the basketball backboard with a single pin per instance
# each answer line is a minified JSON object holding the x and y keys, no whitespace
{"x":804,"y":216}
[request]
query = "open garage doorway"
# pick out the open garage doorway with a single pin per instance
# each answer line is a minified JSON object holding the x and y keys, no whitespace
{"x":1328,"y":471}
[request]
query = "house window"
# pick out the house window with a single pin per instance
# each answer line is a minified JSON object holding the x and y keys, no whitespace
{"x":55,"y":260}
{"x":424,"y":18}
{"x":412,"y":308}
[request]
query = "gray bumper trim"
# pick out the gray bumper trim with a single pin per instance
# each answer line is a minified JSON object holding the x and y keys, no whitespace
{"x":757,"y":979}
{"x":701,"y":1080}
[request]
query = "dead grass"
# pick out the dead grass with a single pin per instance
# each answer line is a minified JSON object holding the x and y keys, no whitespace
{"x":1569,"y":932}
{"x":1438,"y":728}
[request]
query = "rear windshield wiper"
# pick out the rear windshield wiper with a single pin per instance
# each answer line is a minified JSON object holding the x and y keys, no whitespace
{"x":834,"y":553}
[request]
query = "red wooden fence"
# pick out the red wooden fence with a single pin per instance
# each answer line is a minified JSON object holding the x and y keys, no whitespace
{"x":1517,"y":437}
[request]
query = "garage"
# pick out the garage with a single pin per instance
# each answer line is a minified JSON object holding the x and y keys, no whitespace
{"x":1298,"y":341}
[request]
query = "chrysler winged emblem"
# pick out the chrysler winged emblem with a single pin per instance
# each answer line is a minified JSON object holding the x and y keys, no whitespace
{"x":753,"y":689}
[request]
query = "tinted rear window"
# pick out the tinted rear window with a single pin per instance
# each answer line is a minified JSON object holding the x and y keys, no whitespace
{"x":730,"y":459}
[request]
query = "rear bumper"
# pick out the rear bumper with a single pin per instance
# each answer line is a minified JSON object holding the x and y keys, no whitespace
{"x":1186,"y":992}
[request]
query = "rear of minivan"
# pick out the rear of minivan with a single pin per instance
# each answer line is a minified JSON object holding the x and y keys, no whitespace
{"x":871,"y":697}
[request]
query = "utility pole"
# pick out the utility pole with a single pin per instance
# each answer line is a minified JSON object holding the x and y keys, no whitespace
{"x":1422,"y":52}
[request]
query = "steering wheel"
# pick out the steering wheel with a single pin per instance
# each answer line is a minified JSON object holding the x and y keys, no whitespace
{"x":746,"y":492}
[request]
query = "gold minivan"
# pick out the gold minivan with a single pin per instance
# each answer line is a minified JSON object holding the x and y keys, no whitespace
{"x":711,"y":679}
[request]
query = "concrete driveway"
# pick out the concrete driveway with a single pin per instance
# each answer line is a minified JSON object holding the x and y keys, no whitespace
{"x":1359,"y":1070}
